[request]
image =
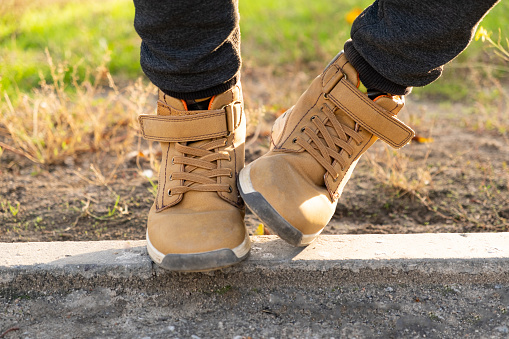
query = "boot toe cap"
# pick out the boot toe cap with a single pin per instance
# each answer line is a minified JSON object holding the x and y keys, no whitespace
{"x":186,"y":232}
{"x":299,"y":200}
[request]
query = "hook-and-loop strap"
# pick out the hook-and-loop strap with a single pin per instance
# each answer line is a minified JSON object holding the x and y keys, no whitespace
{"x":369,"y":115}
{"x":182,"y":126}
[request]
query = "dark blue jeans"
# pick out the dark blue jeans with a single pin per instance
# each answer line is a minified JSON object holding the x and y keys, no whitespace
{"x":191,"y":49}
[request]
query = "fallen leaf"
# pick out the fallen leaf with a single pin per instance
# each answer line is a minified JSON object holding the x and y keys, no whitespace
{"x":259,"y":230}
{"x":352,"y":15}
{"x":280,"y":112}
{"x":422,"y":140}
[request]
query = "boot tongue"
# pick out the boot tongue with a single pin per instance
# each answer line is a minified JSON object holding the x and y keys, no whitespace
{"x":177,"y":107}
{"x":392,"y":103}
{"x":226,"y":98}
{"x":216,"y":102}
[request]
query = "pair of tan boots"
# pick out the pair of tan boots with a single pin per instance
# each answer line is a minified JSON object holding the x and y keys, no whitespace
{"x":197,"y":220}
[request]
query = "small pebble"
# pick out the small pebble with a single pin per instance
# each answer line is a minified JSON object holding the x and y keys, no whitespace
{"x":69,"y":161}
{"x":502,"y":329}
{"x":389,"y":289}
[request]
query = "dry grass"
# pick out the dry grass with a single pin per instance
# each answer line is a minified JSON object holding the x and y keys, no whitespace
{"x":410,"y":177}
{"x":65,"y":118}
{"x":490,"y":110}
{"x":398,"y":171}
{"x":491,"y":105}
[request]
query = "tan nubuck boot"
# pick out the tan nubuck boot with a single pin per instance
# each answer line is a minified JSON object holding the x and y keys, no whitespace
{"x":197,"y":220}
{"x":294,"y":188}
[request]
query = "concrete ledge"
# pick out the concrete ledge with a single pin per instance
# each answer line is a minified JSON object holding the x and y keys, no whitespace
{"x":347,"y":286}
{"x":410,"y":258}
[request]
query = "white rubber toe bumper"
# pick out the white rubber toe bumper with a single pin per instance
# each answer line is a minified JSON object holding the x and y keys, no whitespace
{"x":204,"y":261}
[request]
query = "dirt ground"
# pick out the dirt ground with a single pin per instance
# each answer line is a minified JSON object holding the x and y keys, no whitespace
{"x":457,"y":180}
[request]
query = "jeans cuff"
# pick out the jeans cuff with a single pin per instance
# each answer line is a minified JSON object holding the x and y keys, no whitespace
{"x":205,"y":93}
{"x":369,"y":76}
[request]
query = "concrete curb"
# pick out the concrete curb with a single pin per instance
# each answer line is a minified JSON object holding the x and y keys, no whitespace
{"x":345,"y":286}
{"x":478,"y":258}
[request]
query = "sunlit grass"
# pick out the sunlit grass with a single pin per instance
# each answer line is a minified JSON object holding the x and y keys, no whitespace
{"x":286,"y":31}
{"x":54,"y":111}
{"x":274,"y":33}
{"x":78,"y":32}
{"x":63,"y":119}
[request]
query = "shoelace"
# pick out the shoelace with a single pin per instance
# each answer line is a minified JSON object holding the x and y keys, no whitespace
{"x":328,"y":148}
{"x":202,"y":157}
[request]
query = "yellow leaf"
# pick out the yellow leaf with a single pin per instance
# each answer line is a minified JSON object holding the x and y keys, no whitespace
{"x":259,"y":230}
{"x":422,"y":140}
{"x":352,"y":15}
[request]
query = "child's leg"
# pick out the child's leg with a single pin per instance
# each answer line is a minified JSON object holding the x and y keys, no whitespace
{"x":191,"y":51}
{"x":396,"y":44}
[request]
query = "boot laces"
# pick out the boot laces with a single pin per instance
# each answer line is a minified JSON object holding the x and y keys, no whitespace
{"x":326,"y":147}
{"x":201,"y":169}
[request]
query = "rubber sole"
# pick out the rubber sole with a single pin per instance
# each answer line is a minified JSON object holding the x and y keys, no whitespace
{"x":268,"y":215}
{"x":200,"y":262}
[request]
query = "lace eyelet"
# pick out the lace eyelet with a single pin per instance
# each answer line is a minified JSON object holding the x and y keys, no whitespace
{"x":170,"y":178}
{"x":294,"y":140}
{"x":229,"y":158}
{"x":169,"y":192}
{"x":303,"y":129}
{"x":230,"y":189}
{"x":173,"y":161}
{"x":231,"y":175}
{"x":312,"y":118}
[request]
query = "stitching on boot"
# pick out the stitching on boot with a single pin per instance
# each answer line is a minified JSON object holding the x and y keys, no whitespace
{"x":174,"y":119}
{"x":326,"y":74}
{"x":225,"y":196}
{"x":199,"y":137}
{"x":177,"y":120}
{"x":165,"y":176}
{"x":393,"y":120}
{"x":390,"y":97}
{"x":178,"y":199}
{"x":297,"y":124}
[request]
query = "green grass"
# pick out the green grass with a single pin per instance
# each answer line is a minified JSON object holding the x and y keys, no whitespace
{"x":81,"y":33}
{"x":274,"y":33}
{"x":289,"y":31}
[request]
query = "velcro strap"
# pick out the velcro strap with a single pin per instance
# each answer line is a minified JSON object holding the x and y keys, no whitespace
{"x":188,"y":127}
{"x":369,"y":115}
